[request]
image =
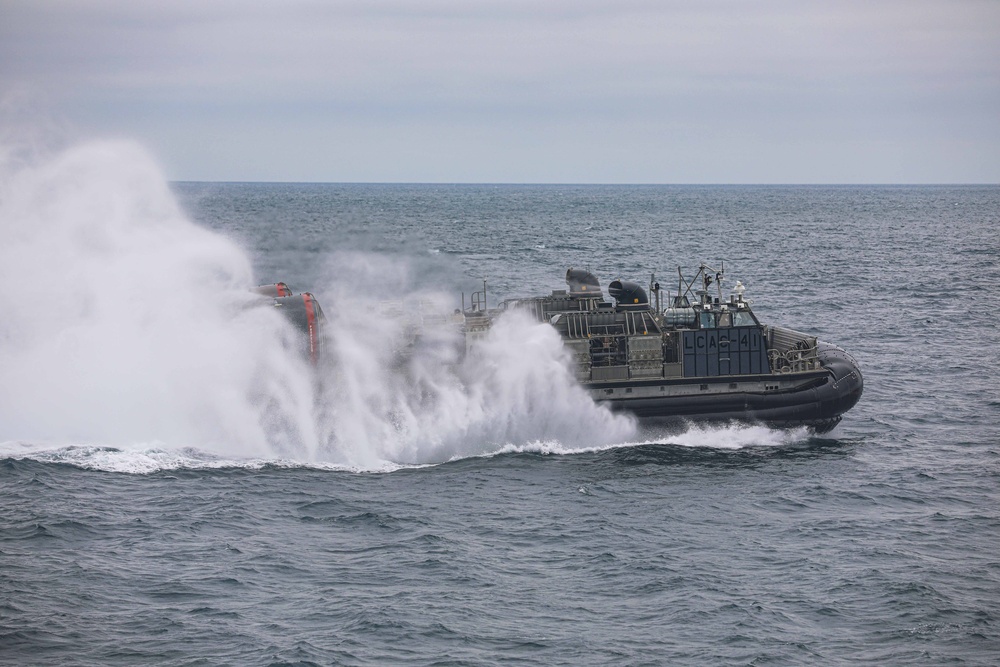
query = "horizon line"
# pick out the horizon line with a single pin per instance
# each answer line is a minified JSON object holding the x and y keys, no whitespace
{"x":589,"y":183}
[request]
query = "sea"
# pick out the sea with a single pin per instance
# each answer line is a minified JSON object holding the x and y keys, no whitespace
{"x":179,"y":487}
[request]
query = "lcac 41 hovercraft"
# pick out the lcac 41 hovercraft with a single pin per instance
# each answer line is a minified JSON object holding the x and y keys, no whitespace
{"x":697,"y":357}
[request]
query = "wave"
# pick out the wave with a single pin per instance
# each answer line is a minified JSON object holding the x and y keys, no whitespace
{"x":144,"y":459}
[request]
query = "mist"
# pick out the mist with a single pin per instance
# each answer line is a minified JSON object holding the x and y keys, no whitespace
{"x":128,"y":326}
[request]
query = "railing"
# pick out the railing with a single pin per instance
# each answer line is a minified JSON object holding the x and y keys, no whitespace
{"x":791,"y":351}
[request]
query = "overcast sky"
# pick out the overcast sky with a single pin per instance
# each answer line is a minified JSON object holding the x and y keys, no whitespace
{"x":553,"y":91}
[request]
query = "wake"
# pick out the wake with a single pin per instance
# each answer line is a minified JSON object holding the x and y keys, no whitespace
{"x":143,"y":459}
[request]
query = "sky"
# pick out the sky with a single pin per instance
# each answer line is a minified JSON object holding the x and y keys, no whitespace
{"x":522,"y":91}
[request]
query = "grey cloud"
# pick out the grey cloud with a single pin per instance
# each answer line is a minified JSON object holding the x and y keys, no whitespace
{"x":798,"y":72}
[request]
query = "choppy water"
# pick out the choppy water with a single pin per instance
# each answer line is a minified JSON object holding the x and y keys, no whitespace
{"x":170,"y":492}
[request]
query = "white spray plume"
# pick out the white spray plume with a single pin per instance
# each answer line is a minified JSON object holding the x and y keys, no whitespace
{"x":122,"y":321}
{"x":124,"y":324}
{"x":400,"y":386}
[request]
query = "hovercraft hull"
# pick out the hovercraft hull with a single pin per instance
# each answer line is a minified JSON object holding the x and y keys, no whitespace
{"x":816,"y":399}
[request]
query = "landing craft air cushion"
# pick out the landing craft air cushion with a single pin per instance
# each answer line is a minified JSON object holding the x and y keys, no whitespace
{"x":699,"y":358}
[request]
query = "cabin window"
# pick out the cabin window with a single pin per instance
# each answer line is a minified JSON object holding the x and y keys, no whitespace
{"x":742,"y":318}
{"x":707,"y":320}
{"x":725,"y":320}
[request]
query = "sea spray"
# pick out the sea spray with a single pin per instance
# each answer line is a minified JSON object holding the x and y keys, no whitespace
{"x":400,"y":383}
{"x":127,"y":326}
{"x":125,"y":323}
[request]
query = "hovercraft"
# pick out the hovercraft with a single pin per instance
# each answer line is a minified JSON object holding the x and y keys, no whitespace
{"x":696,"y":357}
{"x":689,"y":356}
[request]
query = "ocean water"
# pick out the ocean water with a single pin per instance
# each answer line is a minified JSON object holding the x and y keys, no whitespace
{"x":178,"y":488}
